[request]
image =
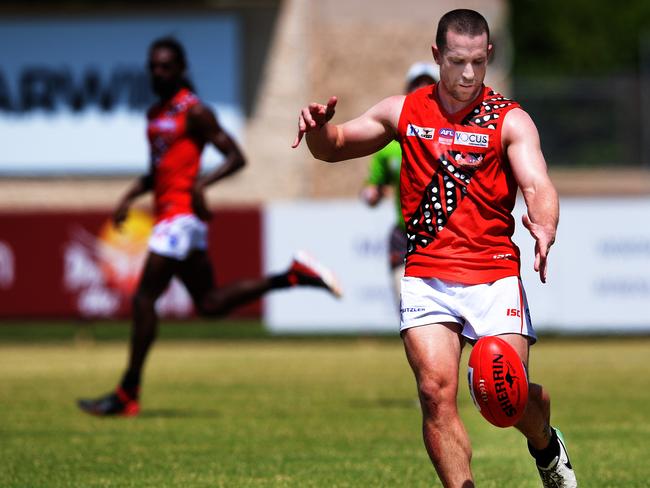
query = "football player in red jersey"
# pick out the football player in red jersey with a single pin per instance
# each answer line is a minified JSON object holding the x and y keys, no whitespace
{"x":179,"y":126}
{"x":466,"y":151}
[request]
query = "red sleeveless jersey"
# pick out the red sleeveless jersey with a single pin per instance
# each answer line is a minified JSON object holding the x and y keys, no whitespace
{"x":175,"y":156}
{"x":457,"y":189}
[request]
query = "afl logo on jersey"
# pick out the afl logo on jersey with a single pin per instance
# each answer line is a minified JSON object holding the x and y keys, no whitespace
{"x":471,"y":139}
{"x":164,"y":124}
{"x":446,"y":136}
{"x":421,"y":132}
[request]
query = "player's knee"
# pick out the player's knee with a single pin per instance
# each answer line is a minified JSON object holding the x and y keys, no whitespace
{"x":210,"y":312}
{"x":210,"y":307}
{"x":137,"y":303}
{"x":539,"y":401}
{"x":437,"y":396}
{"x":141,"y":303}
{"x":538,"y":394}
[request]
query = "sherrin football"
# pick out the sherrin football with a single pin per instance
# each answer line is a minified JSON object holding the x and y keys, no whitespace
{"x":497,"y":381}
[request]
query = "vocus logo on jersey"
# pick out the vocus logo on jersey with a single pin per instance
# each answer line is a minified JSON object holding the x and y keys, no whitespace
{"x":421,"y":132}
{"x":474,"y":139}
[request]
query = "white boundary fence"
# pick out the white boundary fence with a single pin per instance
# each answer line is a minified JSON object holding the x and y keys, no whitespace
{"x":599,"y":269}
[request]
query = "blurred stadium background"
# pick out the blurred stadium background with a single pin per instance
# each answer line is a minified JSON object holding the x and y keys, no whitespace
{"x":73,"y":90}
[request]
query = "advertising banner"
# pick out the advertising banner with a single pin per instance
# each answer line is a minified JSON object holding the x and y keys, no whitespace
{"x":74,"y":91}
{"x":598,"y":279}
{"x":599,"y":268}
{"x":77,"y":265}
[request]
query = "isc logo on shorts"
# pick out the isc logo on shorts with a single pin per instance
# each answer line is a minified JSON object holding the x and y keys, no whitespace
{"x":421,"y":132}
{"x":513,"y":312}
{"x":471,"y":139}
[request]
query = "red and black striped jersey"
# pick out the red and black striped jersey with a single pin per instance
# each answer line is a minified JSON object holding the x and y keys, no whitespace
{"x":457,"y":189}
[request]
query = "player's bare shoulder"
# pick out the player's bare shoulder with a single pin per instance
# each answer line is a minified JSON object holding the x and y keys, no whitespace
{"x":518,"y":125}
{"x":201,"y":120}
{"x":201,"y":112}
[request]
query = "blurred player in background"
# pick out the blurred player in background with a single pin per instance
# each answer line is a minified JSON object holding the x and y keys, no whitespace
{"x":179,"y":126}
{"x":466,"y":150}
{"x":383,"y":174}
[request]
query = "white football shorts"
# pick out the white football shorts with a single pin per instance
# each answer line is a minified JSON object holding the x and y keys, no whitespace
{"x":485,"y":309}
{"x":178,"y":236}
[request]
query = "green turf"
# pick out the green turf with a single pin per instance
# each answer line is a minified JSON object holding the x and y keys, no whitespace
{"x":30,"y":331}
{"x":308,"y":413}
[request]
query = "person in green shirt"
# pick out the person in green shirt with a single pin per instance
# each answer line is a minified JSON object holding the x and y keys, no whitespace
{"x":384,"y":173}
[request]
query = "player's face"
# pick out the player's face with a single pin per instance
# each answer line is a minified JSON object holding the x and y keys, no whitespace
{"x":165,"y":71}
{"x":463,"y":64}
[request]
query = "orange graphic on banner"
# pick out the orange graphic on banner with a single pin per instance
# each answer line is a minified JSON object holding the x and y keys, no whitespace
{"x":122,"y":251}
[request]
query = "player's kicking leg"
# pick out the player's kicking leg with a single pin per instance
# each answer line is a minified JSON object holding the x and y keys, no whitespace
{"x":545,"y":443}
{"x":555,"y":468}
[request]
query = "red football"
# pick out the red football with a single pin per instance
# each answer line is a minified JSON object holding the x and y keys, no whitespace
{"x":497,"y":381}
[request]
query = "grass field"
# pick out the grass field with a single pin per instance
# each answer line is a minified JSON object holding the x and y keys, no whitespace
{"x":262,"y":412}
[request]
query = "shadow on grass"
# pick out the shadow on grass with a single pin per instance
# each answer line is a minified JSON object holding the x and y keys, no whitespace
{"x":177,"y":413}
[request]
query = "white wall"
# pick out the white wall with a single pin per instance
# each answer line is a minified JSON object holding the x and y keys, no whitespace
{"x":350,"y":239}
{"x":599,"y":268}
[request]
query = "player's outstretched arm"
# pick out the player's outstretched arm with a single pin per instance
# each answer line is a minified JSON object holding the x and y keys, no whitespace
{"x":313,"y":117}
{"x":522,"y":145}
{"x":203,"y":125}
{"x":358,"y":137}
{"x":141,"y":186}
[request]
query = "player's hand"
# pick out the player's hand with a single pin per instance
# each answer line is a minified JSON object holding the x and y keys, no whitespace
{"x":544,"y":239}
{"x":198,"y":204}
{"x":313,"y":117}
{"x":120,"y":214}
{"x":372,"y":195}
